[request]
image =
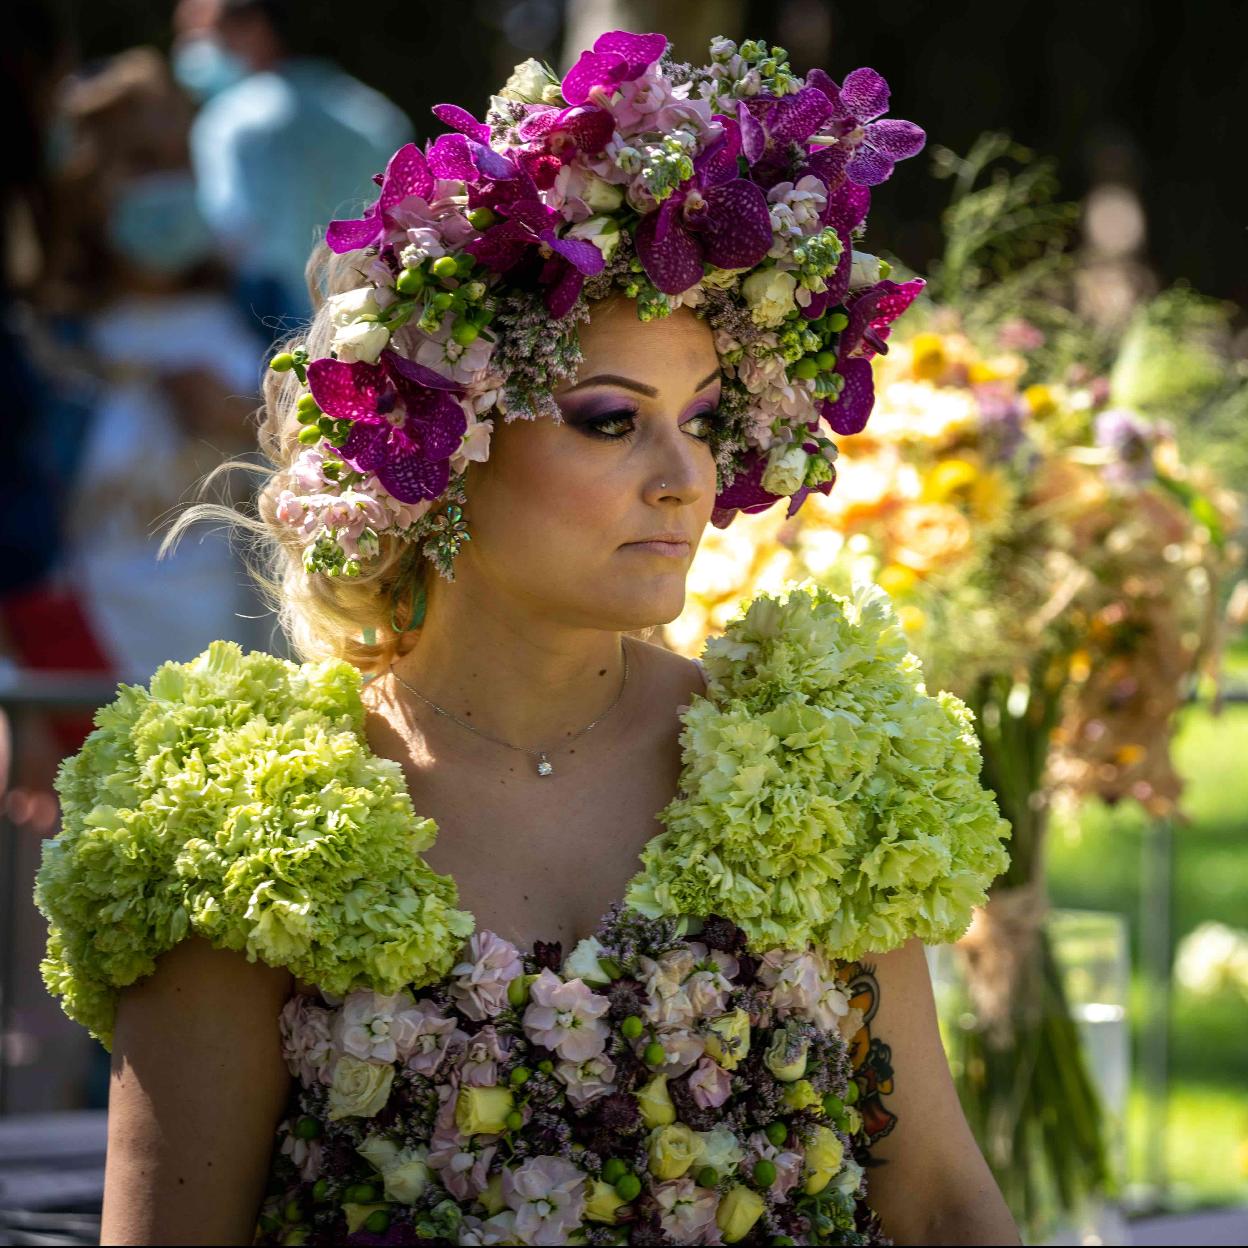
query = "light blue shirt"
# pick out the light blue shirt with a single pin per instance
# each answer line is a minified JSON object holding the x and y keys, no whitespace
{"x":280,"y":154}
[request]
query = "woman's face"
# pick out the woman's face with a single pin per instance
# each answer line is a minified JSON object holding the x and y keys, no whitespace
{"x":594,"y":521}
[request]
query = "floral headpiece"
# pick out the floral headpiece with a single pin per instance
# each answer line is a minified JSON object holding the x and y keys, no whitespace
{"x":736,"y":189}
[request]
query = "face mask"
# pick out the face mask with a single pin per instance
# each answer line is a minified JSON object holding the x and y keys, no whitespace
{"x":206,"y":68}
{"x":156,"y":225}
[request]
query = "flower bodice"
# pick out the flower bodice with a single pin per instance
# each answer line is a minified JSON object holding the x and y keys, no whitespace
{"x":828,"y":807}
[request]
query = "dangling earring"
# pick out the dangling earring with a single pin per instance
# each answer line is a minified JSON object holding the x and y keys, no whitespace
{"x":413,"y":581}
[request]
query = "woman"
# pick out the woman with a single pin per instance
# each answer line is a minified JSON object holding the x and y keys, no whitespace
{"x":722,"y":1056}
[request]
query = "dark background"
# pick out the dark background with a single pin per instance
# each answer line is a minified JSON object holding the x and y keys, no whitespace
{"x":1146,"y":94}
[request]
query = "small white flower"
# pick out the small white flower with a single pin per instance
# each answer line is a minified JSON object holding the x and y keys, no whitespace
{"x":603,"y":232}
{"x":865,"y":270}
{"x":600,"y":195}
{"x":360,"y":340}
{"x":527,"y":82}
{"x":769,"y":294}
{"x":353,"y":304}
{"x":583,"y":962}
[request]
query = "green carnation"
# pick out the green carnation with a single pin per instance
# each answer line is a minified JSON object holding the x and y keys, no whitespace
{"x":237,"y":798}
{"x":828,"y":798}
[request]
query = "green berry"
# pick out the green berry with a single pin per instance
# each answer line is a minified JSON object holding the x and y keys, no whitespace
{"x":307,"y":404}
{"x":826,"y":361}
{"x":546,"y":1066}
{"x":444,"y":299}
{"x":837,"y":322}
{"x":764,"y":1172}
{"x":885,"y":268}
{"x":632,"y":1027}
{"x":833,"y":1105}
{"x":628,"y":1187}
{"x":283,"y":362}
{"x":520,"y":1076}
{"x":410,"y":282}
{"x":465,"y":333}
{"x":378,"y":1221}
{"x":464,"y":263}
{"x":708,"y":1176}
{"x":514,"y":1120}
{"x":613,"y":1170}
{"x":784,"y":1240}
{"x":292,"y":1211}
{"x":777,"y":1133}
{"x":851,"y":1093}
{"x":481,"y":218}
{"x":444,"y":266}
{"x":360,"y":1194}
{"x":320,"y":1189}
{"x":307,"y":1128}
{"x":309,"y":435}
{"x":517,"y":992}
{"x":654,"y":1054}
{"x":326,"y":424}
{"x":805,"y":369}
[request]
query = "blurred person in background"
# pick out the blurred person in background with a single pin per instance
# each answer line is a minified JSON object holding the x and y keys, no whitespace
{"x":283,"y":141}
{"x":134,"y":269}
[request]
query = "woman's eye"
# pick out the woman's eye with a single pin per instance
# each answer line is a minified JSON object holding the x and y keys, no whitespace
{"x":610,"y":425}
{"x":702,"y":425}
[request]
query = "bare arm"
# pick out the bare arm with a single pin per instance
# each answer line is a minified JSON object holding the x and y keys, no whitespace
{"x":198,"y":1087}
{"x":934,"y":1186}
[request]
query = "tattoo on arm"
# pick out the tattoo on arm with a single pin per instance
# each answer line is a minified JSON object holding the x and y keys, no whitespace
{"x":871,"y":1058}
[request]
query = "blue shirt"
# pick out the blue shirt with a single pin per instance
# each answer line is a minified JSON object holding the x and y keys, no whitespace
{"x":280,"y":154}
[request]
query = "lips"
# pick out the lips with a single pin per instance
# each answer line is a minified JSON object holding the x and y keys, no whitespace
{"x":670,"y":539}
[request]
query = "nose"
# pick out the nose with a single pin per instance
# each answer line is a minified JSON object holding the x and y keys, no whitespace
{"x":677,"y":470}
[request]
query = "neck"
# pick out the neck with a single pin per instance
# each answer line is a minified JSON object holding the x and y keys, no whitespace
{"x":510,"y":672}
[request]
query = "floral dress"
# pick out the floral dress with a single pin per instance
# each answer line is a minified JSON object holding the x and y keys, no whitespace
{"x":701,"y":1070}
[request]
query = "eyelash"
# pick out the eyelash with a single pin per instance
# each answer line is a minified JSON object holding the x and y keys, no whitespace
{"x":596,"y":425}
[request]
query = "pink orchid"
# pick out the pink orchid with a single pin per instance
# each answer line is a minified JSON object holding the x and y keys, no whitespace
{"x":710,"y":1084}
{"x":422,"y":1035}
{"x":687,"y":1212}
{"x":479,"y":984}
{"x":547,"y":1195}
{"x":587,"y":1081}
{"x":566,"y":1017}
{"x":617,"y":57}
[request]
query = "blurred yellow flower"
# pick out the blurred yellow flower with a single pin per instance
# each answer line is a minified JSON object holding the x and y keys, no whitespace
{"x":928,"y":359}
{"x":1040,"y":401}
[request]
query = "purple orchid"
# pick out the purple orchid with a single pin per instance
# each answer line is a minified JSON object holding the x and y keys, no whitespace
{"x":714,"y":217}
{"x":530,"y":225}
{"x":618,"y":56}
{"x":873,"y":147}
{"x":411,"y":458}
{"x":871,"y":313}
{"x":775,"y":133}
{"x":845,"y":211}
{"x":412,"y":172}
{"x":745,"y":492}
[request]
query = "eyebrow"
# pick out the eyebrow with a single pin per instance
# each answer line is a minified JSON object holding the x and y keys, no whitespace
{"x":627,"y":383}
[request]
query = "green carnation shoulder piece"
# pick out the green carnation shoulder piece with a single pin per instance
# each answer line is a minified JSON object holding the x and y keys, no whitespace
{"x":828,"y":798}
{"x":237,"y":798}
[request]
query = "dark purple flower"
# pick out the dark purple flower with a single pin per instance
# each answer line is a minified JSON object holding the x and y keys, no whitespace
{"x":411,"y":458}
{"x":563,"y":132}
{"x":406,"y":174}
{"x":527,"y":233}
{"x":746,"y":493}
{"x":714,"y":217}
{"x":845,"y":211}
{"x":618,"y":56}
{"x":874,"y":147}
{"x":871,"y":313}
{"x":775,"y":133}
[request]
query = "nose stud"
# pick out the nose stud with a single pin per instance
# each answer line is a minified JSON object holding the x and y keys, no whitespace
{"x":662,"y":485}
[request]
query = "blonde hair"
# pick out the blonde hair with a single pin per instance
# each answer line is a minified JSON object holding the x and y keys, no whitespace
{"x":363,"y":619}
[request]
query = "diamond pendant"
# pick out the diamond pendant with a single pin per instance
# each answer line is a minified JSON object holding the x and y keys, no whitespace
{"x":544,"y":766}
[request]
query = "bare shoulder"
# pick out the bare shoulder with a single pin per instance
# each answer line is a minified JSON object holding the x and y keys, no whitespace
{"x":671,"y":672}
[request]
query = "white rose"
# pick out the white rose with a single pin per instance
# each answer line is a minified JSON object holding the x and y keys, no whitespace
{"x":527,"y":82}
{"x":379,"y":1151}
{"x":361,"y":340}
{"x":865,"y":270}
{"x":408,"y":1177}
{"x":769,"y":293}
{"x":353,"y":304}
{"x":786,"y":469}
{"x":720,"y":1149}
{"x":603,"y":232}
{"x":359,"y":1089}
{"x":849,"y":1178}
{"x":600,"y":195}
{"x":582,"y":962}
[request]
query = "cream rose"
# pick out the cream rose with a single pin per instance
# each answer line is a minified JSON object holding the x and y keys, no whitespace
{"x":582,"y":963}
{"x":353,"y":304}
{"x":737,"y":1213}
{"x":483,"y":1111}
{"x":769,"y":294}
{"x":527,"y":82}
{"x":600,"y":195}
{"x":655,"y":1102}
{"x":786,"y":469}
{"x":672,"y":1150}
{"x":359,"y":1089}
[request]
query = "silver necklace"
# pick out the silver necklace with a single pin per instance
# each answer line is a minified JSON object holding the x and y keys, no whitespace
{"x":544,"y":766}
